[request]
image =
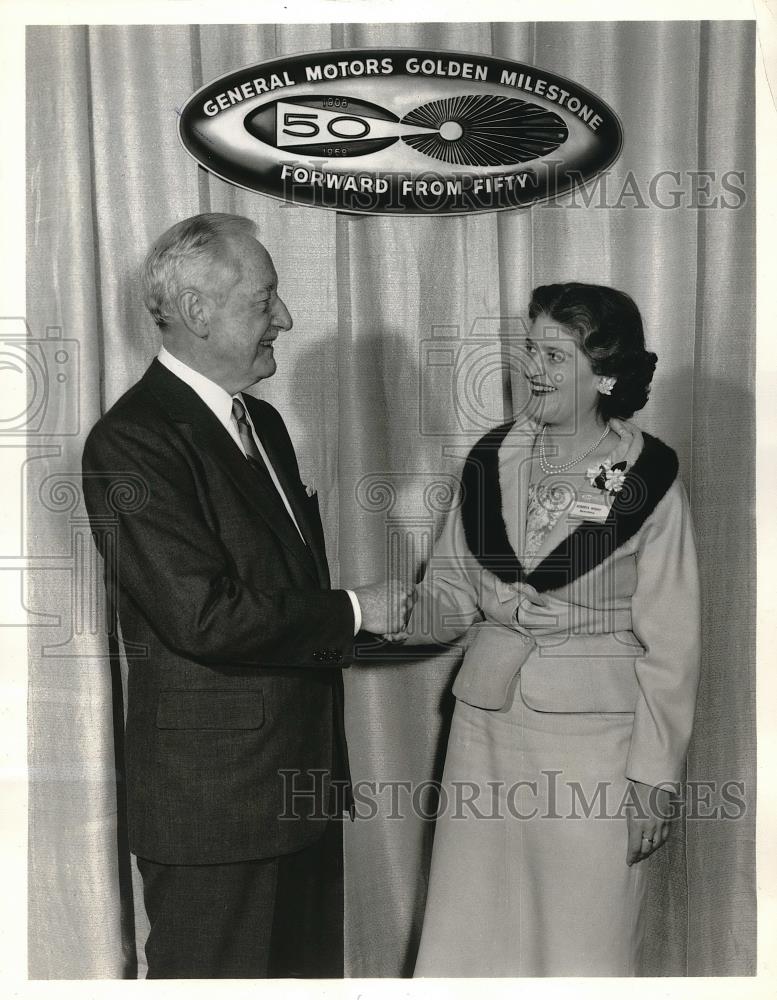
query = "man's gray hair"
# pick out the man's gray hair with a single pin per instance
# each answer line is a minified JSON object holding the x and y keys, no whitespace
{"x":194,"y":253}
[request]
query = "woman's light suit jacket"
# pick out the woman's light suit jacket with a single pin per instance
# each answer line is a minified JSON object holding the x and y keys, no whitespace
{"x":621,"y":629}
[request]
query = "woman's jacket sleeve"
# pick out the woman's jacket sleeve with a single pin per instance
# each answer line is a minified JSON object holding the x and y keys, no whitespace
{"x":666,"y":620}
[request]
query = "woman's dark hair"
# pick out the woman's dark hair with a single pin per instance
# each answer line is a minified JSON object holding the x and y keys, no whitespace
{"x":609,"y":329}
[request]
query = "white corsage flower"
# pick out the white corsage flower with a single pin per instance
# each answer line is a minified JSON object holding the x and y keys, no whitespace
{"x":607,"y":477}
{"x":613,"y":480}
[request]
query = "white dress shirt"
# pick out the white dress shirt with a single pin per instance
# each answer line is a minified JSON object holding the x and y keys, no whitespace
{"x":219,"y":401}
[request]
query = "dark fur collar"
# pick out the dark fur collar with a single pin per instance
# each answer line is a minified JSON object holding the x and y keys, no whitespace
{"x":589,"y":544}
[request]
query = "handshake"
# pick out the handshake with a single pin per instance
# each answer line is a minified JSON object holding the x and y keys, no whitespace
{"x":386,"y":608}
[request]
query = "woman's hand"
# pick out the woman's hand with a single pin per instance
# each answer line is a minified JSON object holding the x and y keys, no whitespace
{"x":630,"y":444}
{"x":649,"y":828}
{"x":394,"y":636}
{"x":530,"y":598}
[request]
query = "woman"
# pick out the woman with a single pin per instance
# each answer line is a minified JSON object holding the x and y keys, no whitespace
{"x":570,"y":564}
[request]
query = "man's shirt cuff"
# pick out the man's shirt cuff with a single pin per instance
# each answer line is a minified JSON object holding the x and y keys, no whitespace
{"x":357,"y":611}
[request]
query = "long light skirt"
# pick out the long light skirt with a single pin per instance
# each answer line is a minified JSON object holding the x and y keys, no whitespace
{"x":549,"y":895}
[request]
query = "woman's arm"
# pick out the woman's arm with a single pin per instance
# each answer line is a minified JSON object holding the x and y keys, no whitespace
{"x":666,"y":617}
{"x":446,"y":599}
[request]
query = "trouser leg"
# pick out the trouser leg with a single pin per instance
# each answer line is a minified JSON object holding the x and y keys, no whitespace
{"x":209,"y":921}
{"x":275,"y":917}
{"x":307,"y":938}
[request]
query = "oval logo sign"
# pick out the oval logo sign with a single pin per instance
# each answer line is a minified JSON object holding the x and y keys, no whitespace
{"x":400,"y":131}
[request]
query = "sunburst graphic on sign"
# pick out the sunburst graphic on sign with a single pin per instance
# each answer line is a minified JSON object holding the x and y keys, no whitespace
{"x":481,"y":130}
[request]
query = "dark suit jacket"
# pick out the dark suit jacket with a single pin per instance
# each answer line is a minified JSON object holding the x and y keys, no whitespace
{"x":238,"y":622}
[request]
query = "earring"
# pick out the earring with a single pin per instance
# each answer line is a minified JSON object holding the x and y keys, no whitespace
{"x":605,"y":384}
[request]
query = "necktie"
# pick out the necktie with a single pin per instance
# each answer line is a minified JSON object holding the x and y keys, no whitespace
{"x":255,"y":457}
{"x":246,"y":437}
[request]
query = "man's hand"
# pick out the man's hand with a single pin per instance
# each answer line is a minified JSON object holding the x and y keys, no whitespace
{"x":385,"y":607}
{"x":649,"y":828}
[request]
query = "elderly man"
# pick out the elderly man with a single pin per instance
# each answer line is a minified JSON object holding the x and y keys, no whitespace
{"x":219,"y":574}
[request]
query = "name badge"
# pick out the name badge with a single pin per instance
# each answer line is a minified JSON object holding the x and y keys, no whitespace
{"x":591,"y":506}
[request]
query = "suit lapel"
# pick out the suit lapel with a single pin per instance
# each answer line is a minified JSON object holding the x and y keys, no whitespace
{"x":482,"y":516}
{"x":515,"y":465}
{"x":210,"y":436}
{"x":591,"y":542}
{"x":514,"y":471}
{"x":564,"y":555}
{"x":302,"y":505}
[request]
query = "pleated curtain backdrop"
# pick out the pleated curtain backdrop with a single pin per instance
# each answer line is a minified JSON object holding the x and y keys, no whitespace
{"x":379,"y":432}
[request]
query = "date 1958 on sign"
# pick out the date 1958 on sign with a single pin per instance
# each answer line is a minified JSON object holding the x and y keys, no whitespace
{"x":400,"y":131}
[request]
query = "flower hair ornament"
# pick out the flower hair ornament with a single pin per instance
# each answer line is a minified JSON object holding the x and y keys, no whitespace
{"x":606,"y":384}
{"x":607,"y":477}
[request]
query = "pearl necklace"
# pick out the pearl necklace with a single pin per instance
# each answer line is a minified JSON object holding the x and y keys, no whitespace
{"x":548,"y":468}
